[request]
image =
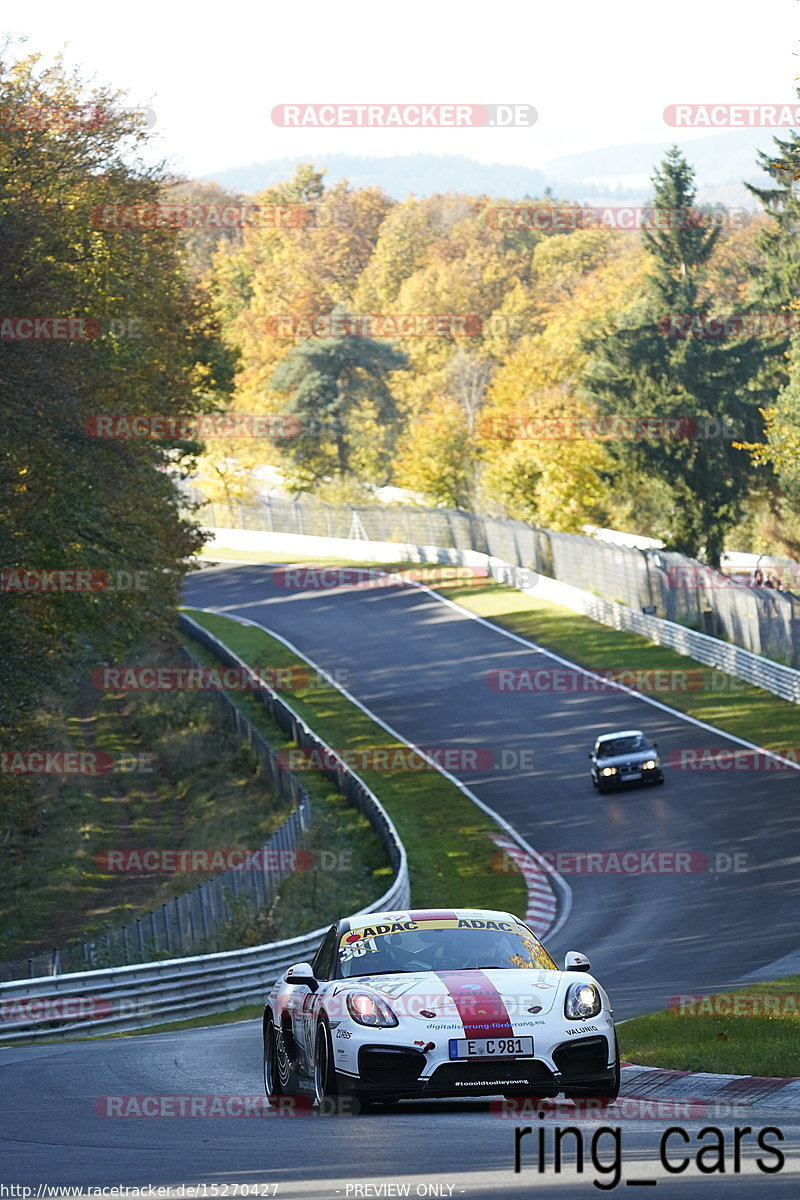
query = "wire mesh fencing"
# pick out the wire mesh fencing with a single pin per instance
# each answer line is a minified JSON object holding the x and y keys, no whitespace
{"x":763,"y":620}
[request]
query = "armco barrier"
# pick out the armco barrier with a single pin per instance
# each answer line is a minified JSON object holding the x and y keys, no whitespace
{"x":154,"y":993}
{"x":173,"y":989}
{"x":743,"y":664}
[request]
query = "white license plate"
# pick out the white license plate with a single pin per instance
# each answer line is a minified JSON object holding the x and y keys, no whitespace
{"x":499,"y":1047}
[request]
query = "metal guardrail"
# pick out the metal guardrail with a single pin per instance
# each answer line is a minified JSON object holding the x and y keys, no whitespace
{"x":733,"y":660}
{"x":116,"y":999}
{"x":123,"y":998}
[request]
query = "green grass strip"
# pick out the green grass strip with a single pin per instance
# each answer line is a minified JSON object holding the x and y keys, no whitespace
{"x":740,"y":1044}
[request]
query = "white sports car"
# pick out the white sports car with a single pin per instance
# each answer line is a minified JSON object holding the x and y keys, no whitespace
{"x":459,"y":1002}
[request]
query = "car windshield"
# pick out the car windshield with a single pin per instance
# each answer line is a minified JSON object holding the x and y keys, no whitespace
{"x":442,"y":945}
{"x":621,"y":745}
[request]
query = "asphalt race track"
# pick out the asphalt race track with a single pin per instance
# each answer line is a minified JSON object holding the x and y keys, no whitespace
{"x":51,"y":1132}
{"x":421,"y":667}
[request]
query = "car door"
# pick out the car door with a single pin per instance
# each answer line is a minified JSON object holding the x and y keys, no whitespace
{"x":322,"y":967}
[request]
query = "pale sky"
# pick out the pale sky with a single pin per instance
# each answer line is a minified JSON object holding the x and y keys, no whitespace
{"x":599,"y":74}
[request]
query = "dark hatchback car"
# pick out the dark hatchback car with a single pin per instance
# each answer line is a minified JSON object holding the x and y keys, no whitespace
{"x":623,"y":758}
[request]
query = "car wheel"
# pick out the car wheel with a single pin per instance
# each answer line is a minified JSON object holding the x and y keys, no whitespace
{"x":277,"y":1070}
{"x":594,"y":781}
{"x":324,"y":1072}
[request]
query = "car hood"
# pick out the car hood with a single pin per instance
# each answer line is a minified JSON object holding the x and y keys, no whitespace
{"x":471,"y":996}
{"x":635,"y":756}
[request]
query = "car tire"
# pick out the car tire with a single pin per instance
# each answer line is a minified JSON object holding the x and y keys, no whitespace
{"x":277,"y":1069}
{"x":594,"y":781}
{"x":325,"y":1084}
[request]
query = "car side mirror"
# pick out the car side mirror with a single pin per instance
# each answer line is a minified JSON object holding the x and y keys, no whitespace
{"x":576,"y":962}
{"x":301,"y":973}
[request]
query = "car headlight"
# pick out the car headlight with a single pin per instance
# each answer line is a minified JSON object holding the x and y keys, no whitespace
{"x":367,"y":1009}
{"x":582,"y":1000}
{"x":650,"y":765}
{"x":610,"y":770}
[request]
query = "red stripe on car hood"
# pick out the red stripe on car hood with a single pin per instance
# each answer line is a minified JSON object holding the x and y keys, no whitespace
{"x":478,"y":1002}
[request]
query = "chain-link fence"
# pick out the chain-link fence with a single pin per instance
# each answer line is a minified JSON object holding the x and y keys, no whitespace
{"x":763,"y":620}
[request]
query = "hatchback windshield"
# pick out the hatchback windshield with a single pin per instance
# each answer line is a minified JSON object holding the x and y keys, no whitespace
{"x":625,"y":745}
{"x":453,"y":945}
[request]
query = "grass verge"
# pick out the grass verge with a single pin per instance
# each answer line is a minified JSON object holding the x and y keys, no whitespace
{"x":704,"y":1040}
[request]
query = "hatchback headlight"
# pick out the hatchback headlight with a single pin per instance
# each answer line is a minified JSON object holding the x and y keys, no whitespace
{"x":610,"y":770}
{"x":650,"y":765}
{"x":368,"y":1009}
{"x":582,"y":1000}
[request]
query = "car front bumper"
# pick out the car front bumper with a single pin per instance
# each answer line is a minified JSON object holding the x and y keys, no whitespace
{"x":583,"y":1066}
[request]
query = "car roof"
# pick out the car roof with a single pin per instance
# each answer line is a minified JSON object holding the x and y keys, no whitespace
{"x":606,"y":737}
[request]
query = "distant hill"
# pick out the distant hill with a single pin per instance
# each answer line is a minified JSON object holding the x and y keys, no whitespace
{"x":615,"y":174}
{"x":422,"y":174}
